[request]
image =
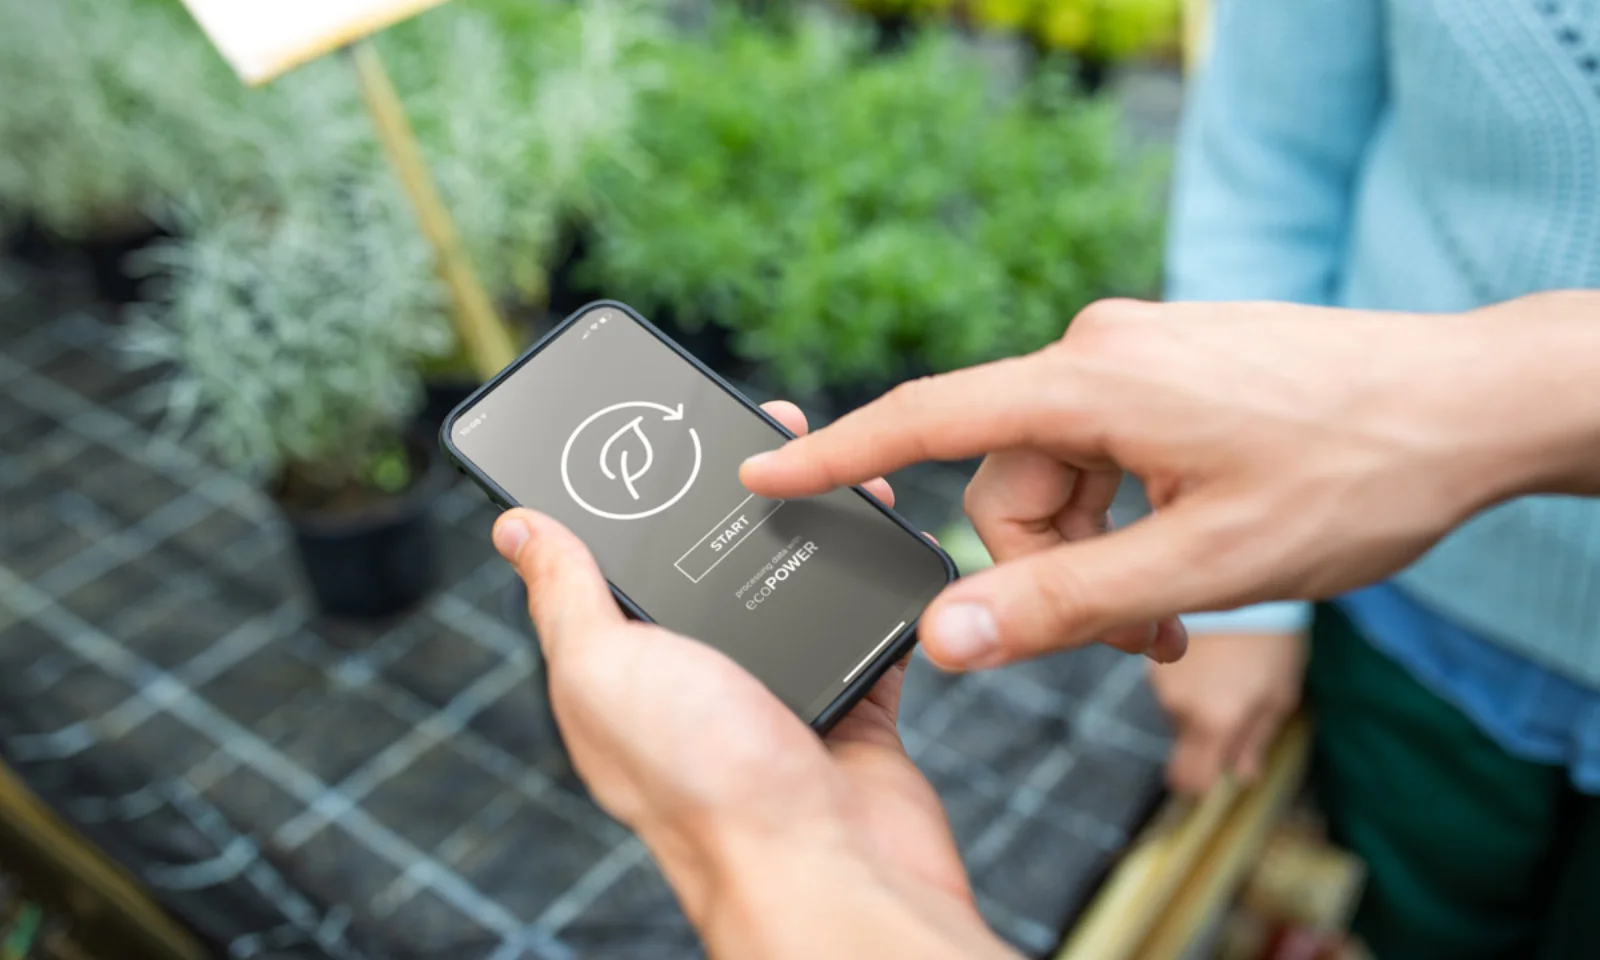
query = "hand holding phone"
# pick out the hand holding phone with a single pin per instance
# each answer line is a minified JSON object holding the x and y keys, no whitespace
{"x":616,"y":432}
{"x":778,"y":845}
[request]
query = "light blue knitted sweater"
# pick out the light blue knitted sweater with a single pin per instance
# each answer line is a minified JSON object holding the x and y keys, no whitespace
{"x":1426,"y":155}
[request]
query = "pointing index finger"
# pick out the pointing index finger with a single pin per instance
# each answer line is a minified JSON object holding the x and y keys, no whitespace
{"x":947,"y":417}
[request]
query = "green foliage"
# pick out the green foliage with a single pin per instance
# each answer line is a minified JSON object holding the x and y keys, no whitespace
{"x":298,"y":297}
{"x":961,"y":541}
{"x":298,"y":301}
{"x":852,"y":216}
{"x":390,"y":469}
{"x":1126,"y":28}
{"x":513,"y":103}
{"x":293,"y":334}
{"x":108,"y":108}
{"x":1097,"y":29}
{"x":848,"y":216}
{"x":911,"y":9}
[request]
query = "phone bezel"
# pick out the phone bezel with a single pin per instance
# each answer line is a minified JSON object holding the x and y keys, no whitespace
{"x":857,"y":688}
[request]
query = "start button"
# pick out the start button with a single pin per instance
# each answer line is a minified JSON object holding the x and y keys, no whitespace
{"x":726,"y":537}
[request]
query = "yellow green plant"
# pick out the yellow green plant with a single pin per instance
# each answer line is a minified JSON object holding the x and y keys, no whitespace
{"x":1098,"y":29}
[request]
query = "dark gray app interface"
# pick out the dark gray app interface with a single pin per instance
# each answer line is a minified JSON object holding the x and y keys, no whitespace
{"x":610,"y":431}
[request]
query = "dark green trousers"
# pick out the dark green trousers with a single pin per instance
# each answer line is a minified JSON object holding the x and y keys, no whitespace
{"x":1472,"y":853}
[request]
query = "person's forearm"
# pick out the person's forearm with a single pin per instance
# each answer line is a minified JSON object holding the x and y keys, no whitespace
{"x":1527,"y":395}
{"x":807,"y":895}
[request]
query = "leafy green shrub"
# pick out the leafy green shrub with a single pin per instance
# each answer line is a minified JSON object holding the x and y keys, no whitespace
{"x":857,"y":217}
{"x":293,"y":329}
{"x":513,"y":102}
{"x":1102,"y":30}
{"x":297,"y":306}
{"x":297,"y":300}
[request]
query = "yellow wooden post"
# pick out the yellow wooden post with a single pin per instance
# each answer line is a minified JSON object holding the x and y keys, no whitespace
{"x":488,"y":342}
{"x":1196,"y":32}
{"x":1184,"y":866}
{"x":34,"y":837}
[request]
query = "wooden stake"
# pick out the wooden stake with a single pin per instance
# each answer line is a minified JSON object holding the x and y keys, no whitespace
{"x":1196,"y":33}
{"x":1178,"y":873}
{"x":1227,"y":860}
{"x":488,"y":343}
{"x":42,"y":845}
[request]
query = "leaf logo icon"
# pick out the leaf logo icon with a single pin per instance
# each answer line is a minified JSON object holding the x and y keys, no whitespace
{"x":628,"y":454}
{"x":627,"y":476}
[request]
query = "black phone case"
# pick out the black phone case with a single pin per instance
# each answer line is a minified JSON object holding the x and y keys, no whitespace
{"x":858,"y":688}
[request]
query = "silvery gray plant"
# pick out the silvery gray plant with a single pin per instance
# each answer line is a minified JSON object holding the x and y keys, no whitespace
{"x":293,"y":334}
{"x":511,"y":124}
{"x":298,"y":298}
{"x":108,"y":106}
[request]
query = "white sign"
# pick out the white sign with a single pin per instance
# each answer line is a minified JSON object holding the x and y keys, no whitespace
{"x":261,"y":39}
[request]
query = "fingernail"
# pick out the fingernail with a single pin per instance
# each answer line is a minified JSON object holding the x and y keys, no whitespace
{"x":509,"y":536}
{"x":965,"y":635}
{"x":755,"y":462}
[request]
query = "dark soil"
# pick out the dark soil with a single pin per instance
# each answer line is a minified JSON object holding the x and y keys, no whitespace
{"x":300,"y":491}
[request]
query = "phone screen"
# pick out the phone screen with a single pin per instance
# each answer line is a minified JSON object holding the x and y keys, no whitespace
{"x":609,"y":430}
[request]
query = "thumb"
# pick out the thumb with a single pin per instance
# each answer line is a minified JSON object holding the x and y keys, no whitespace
{"x":1070,"y":595}
{"x":567,"y":596}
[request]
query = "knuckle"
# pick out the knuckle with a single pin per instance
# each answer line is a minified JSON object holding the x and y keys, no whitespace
{"x":1185,"y":772}
{"x":908,"y":394}
{"x":1102,"y":325}
{"x":1215,"y":718}
{"x":1095,"y":317}
{"x":1232,"y":538}
{"x":905,"y":402}
{"x":1176,"y":702}
{"x":1283,"y":702}
{"x":540,"y":566}
{"x":975,"y":499}
{"x":1067,"y":604}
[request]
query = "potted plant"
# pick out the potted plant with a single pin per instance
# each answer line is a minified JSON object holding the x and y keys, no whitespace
{"x":293,"y":337}
{"x":512,"y":103}
{"x":896,"y":20}
{"x":1096,"y":34}
{"x":114,"y":109}
{"x":853,"y":219}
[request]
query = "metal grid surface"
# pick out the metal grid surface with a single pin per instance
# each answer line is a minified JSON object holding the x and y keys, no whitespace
{"x":292,"y":787}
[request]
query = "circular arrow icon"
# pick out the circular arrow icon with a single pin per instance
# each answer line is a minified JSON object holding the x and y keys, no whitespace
{"x":628,"y":473}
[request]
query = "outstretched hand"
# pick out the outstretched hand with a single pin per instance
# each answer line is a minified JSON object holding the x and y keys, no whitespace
{"x":1288,"y":452}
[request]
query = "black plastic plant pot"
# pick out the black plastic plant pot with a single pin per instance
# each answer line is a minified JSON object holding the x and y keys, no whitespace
{"x":106,"y":252}
{"x":117,"y":280}
{"x":710,"y":343}
{"x":843,"y":398}
{"x":29,"y":243}
{"x":440,"y":396}
{"x":892,"y":33}
{"x":114,"y":282}
{"x":379,"y":561}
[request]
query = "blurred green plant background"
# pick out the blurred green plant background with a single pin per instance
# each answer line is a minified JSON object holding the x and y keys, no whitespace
{"x":1101,"y":30}
{"x":842,"y":210}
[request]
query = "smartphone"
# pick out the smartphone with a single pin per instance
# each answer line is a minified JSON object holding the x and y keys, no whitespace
{"x":610,"y":427}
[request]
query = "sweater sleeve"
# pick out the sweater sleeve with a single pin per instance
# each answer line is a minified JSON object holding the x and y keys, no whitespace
{"x":1273,"y":138}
